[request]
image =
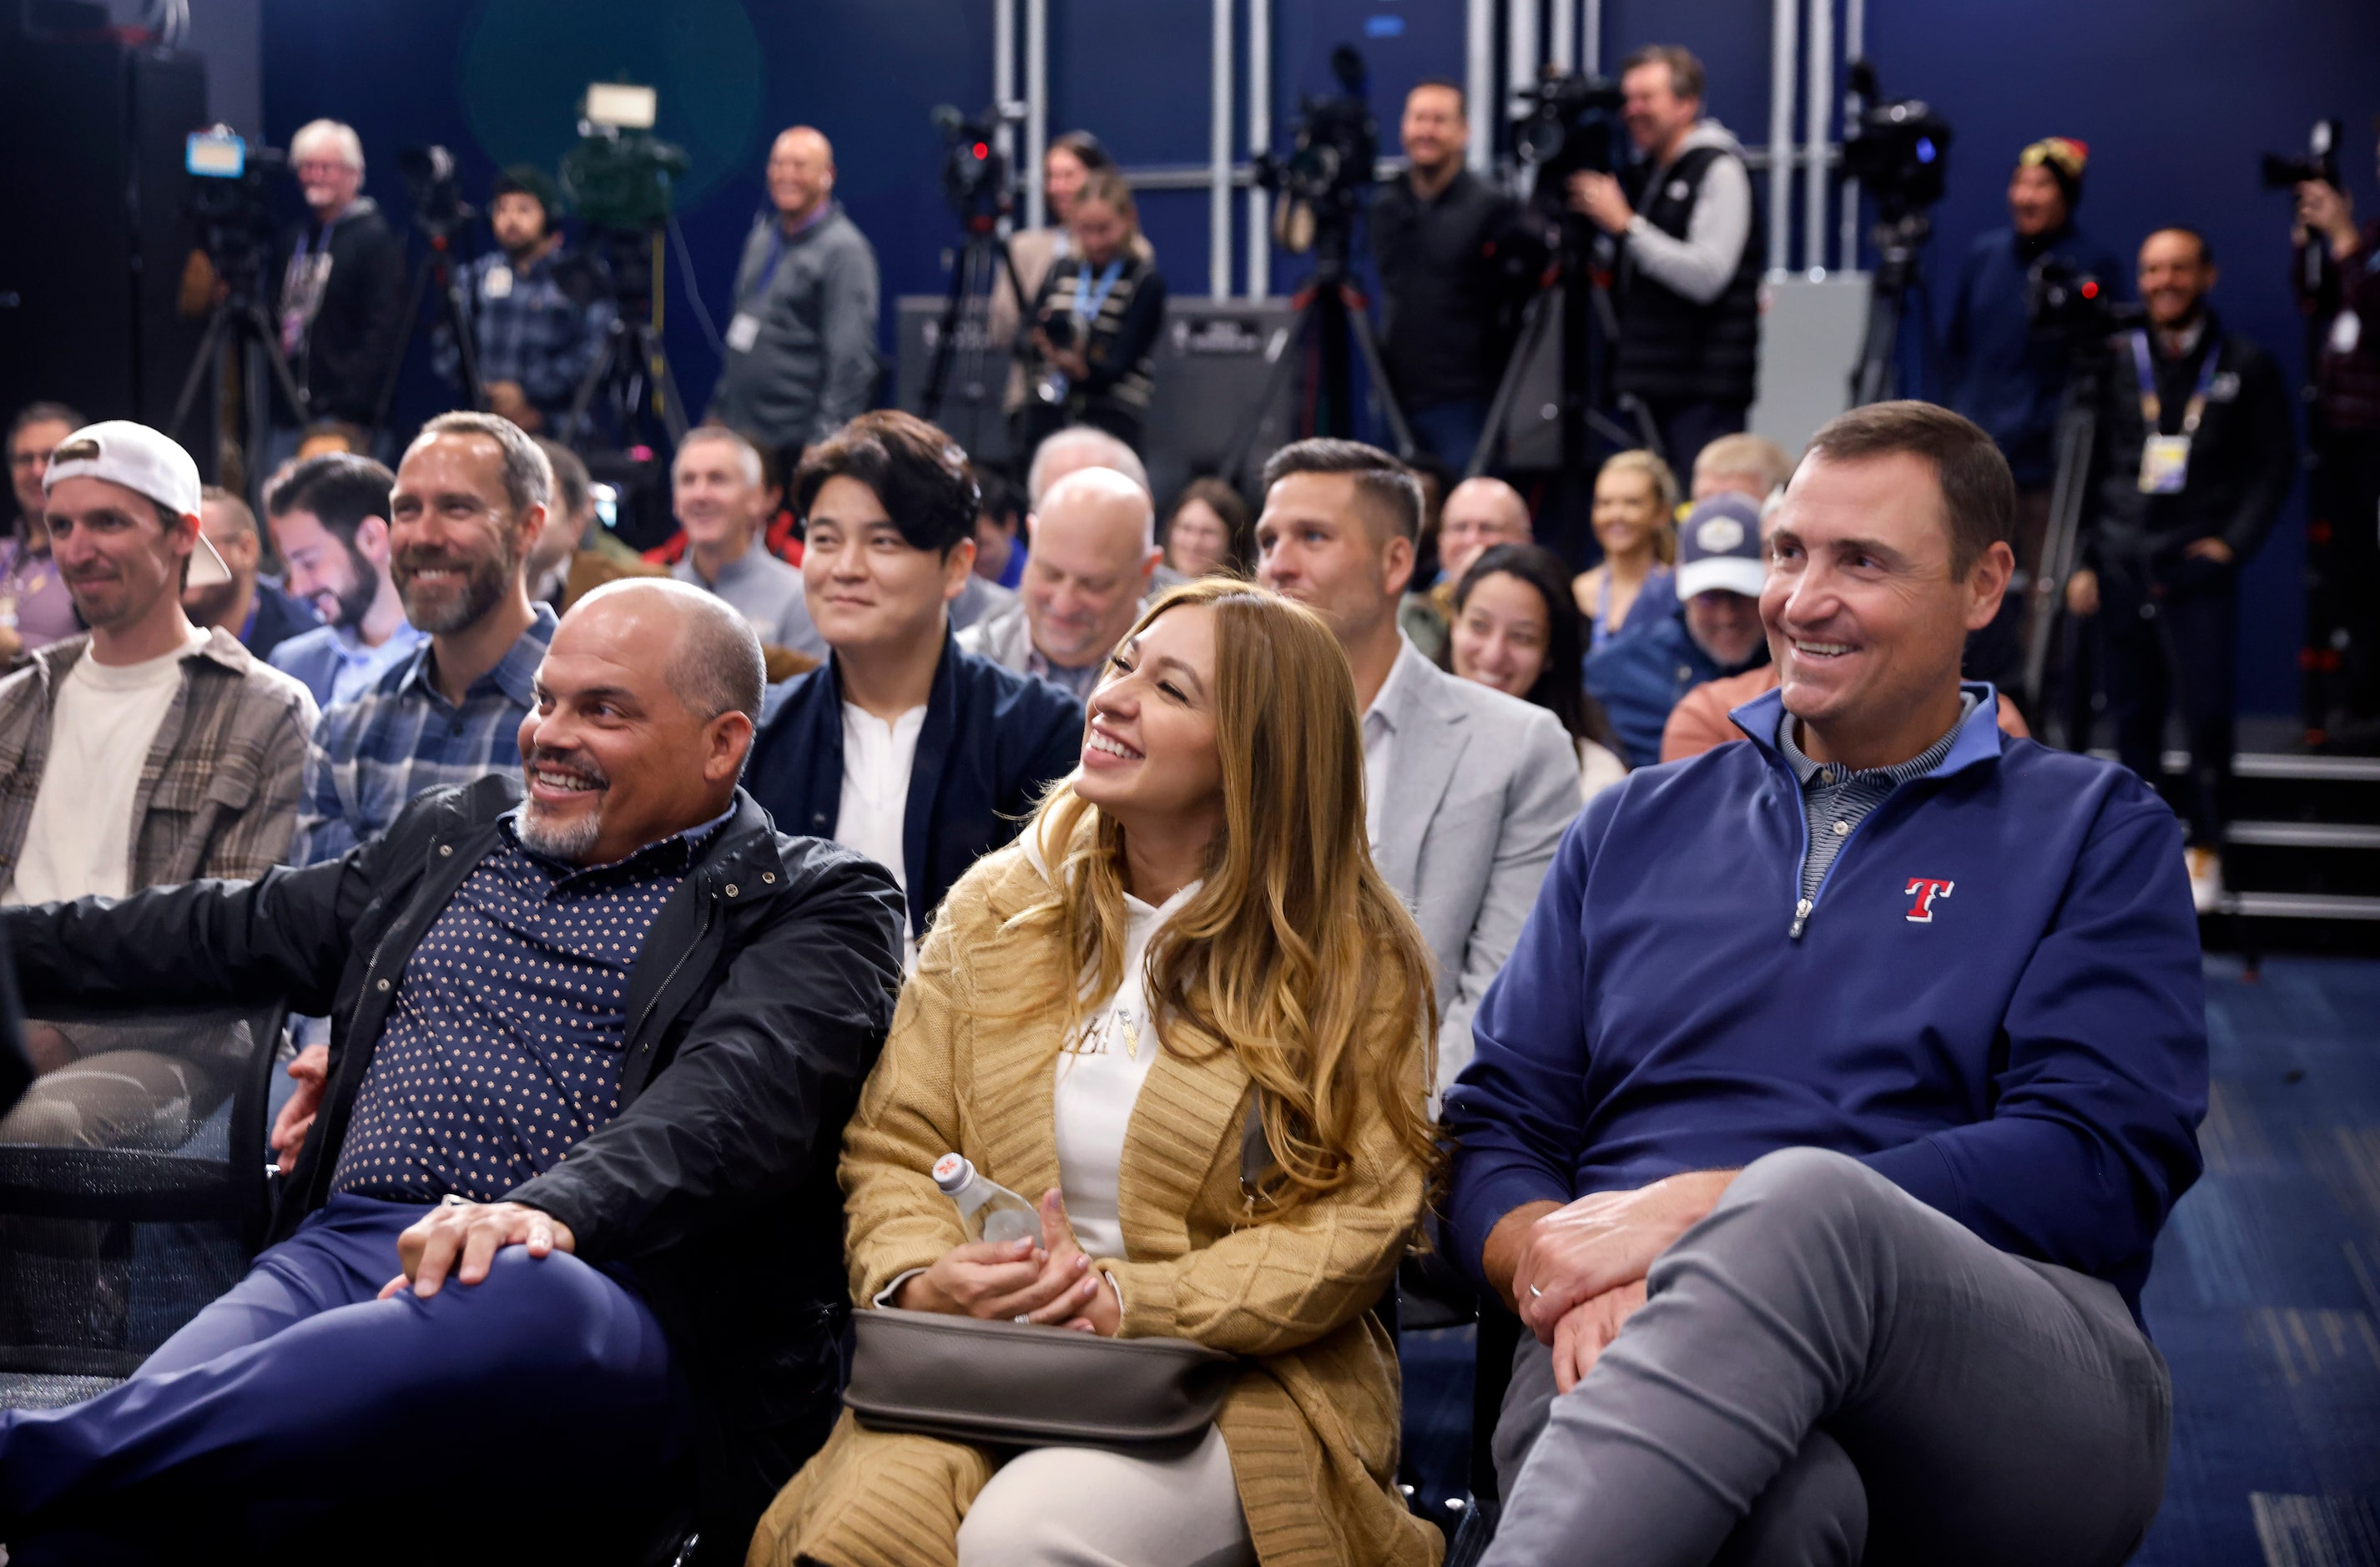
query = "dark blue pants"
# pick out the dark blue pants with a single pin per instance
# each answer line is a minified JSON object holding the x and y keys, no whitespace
{"x":1449,"y":431}
{"x":299,"y":1396}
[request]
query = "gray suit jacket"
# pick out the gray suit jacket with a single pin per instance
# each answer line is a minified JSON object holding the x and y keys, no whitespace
{"x":1480,"y":788}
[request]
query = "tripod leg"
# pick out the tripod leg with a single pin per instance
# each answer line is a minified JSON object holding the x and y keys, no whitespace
{"x":387,"y":398}
{"x":210,"y":357}
{"x":2077,"y":430}
{"x":1359,"y":322}
{"x":259,"y":325}
{"x":937,"y":369}
{"x":665,"y":387}
{"x":1508,"y":385}
{"x":599,"y":369}
{"x":1284,"y":371}
{"x":456,"y":308}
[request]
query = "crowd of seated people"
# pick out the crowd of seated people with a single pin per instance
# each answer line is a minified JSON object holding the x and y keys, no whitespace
{"x":1254,"y":900}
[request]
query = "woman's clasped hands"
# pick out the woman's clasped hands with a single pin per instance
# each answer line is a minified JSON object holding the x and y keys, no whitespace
{"x":1048,"y":1281}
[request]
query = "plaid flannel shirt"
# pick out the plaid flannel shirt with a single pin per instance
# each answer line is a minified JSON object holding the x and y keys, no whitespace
{"x":218,"y":792}
{"x":372,"y":756}
{"x":534,"y":334}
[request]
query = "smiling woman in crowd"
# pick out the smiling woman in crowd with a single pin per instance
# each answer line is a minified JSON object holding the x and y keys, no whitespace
{"x":1514,"y":629}
{"x":1635,"y":497}
{"x":1188,"y":954}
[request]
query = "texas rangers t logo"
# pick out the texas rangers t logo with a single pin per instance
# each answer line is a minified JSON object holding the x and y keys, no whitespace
{"x":1924,"y":889}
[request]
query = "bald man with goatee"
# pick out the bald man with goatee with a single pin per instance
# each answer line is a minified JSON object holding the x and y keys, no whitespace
{"x":801,"y":348}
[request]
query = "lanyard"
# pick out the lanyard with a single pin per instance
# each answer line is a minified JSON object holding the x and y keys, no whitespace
{"x":1087,"y":303}
{"x":2151,"y":408}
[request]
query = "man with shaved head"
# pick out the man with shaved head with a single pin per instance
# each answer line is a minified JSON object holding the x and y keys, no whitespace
{"x":597,"y":1198}
{"x":1478,"y":514}
{"x":801,"y":348}
{"x":1093,"y":560}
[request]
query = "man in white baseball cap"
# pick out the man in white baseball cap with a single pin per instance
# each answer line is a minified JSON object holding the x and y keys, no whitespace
{"x":144,"y":753}
{"x":145,"y":694}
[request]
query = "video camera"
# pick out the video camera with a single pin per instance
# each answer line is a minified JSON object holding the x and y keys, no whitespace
{"x":2075,"y":308}
{"x":617,"y":178}
{"x":1566,"y":124}
{"x":1329,"y":167}
{"x":430,"y":184}
{"x":975,"y":174}
{"x":1899,"y":150}
{"x":2320,"y":162}
{"x":229,"y":201}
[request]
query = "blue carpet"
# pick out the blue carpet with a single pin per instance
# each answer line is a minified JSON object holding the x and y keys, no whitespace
{"x":2266,"y":1297}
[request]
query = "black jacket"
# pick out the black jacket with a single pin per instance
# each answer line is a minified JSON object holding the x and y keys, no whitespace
{"x":2243,"y":461}
{"x":993,"y":740}
{"x":343,"y":360}
{"x":1119,"y":348}
{"x":1671,"y":348}
{"x":1442,"y":288}
{"x":760,"y":1001}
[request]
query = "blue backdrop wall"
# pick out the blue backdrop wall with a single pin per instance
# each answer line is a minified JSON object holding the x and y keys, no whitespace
{"x":2175,"y":97}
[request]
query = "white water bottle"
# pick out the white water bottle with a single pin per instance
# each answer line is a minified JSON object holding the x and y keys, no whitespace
{"x":989,"y":1210}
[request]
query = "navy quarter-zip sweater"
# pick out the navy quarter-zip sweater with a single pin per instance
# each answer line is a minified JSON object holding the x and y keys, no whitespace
{"x":1995,"y":999}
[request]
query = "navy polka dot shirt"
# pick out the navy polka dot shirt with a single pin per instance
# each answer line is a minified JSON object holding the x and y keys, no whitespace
{"x":504,"y":1043}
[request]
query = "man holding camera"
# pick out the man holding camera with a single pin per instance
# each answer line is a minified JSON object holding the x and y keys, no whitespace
{"x":2337,"y":277}
{"x":1687,"y":281}
{"x":1436,"y":231}
{"x":801,"y":348}
{"x":342,"y":299}
{"x":536,"y":325}
{"x":2200,"y":455}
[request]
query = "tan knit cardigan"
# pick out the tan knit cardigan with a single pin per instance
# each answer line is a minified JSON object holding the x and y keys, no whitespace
{"x":1312,"y":1420}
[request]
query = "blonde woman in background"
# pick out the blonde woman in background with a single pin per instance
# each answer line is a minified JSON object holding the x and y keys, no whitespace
{"x":1190,"y":933}
{"x":1635,"y":502}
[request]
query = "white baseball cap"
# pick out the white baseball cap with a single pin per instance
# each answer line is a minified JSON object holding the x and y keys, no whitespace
{"x":148,"y":462}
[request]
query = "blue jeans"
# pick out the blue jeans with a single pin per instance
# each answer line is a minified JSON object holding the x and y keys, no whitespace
{"x":1449,"y":431}
{"x":299,"y":1396}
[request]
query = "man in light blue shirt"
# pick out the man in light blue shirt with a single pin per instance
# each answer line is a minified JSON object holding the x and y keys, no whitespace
{"x":329,"y":517}
{"x":716,"y":489}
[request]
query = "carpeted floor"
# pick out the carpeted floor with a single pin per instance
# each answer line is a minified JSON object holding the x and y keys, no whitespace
{"x":2265,"y":1298}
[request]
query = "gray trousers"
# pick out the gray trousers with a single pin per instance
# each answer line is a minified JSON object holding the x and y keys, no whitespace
{"x":1828,"y":1371}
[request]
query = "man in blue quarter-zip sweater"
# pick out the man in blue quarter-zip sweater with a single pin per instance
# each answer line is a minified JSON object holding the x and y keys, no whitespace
{"x":1824,"y":1118}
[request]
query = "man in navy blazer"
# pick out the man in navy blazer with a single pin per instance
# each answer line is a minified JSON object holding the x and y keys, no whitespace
{"x":902,"y":746}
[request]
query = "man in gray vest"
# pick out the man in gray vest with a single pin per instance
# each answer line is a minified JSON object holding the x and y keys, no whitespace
{"x":801,"y":348}
{"x":1687,"y":279}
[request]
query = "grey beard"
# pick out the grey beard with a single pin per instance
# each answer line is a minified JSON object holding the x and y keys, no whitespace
{"x":570,"y":843}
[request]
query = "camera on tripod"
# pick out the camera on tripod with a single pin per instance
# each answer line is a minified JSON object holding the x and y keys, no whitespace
{"x":1321,"y":183}
{"x":1899,"y":150}
{"x":432,"y":187}
{"x":2068,"y":306}
{"x":1564,"y":125}
{"x":618,"y":177}
{"x":229,"y":199}
{"x":975,"y":174}
{"x":2320,"y":162}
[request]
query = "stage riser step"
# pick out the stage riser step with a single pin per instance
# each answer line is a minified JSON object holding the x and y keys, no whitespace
{"x":2335,"y":872}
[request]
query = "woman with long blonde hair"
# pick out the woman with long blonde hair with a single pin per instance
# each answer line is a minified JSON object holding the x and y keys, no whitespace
{"x":1187,"y":955}
{"x":1635,"y":506}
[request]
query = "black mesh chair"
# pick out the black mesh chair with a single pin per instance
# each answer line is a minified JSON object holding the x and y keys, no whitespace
{"x":133,"y":1189}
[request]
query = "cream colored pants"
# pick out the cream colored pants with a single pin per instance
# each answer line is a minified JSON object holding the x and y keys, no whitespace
{"x":1097,"y":1507}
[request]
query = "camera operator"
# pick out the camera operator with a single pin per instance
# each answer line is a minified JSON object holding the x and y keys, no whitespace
{"x":2198,"y":454}
{"x":2002,"y":375}
{"x":1687,"y":285}
{"x":342,"y":298}
{"x":1436,"y":230}
{"x":1071,"y":159}
{"x":535,"y":329}
{"x":1094,"y":324}
{"x":801,"y":349}
{"x":2345,"y":306}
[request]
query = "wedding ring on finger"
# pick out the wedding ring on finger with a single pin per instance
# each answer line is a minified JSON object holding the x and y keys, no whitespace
{"x":1023,"y":1316}
{"x":1534,"y":1292}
